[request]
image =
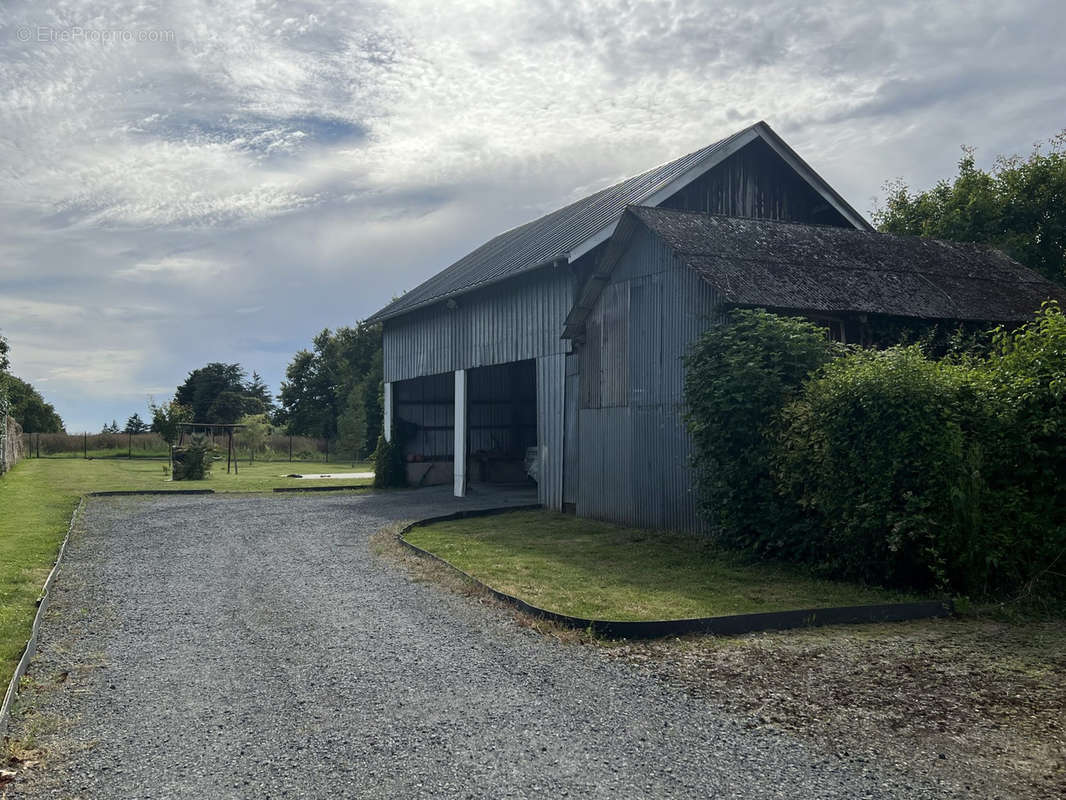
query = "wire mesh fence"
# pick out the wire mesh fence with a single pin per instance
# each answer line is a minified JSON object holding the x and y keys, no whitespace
{"x":276,"y":447}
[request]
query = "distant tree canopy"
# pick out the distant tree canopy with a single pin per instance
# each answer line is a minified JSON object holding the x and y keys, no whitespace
{"x":1019,"y":206}
{"x":4,"y":363}
{"x":136,"y":425}
{"x":29,"y":409}
{"x":222,"y":393}
{"x":334,"y":389}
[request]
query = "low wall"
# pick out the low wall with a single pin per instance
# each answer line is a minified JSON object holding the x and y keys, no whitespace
{"x":11,"y":445}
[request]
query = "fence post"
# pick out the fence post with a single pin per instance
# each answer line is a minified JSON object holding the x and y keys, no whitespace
{"x":38,"y":444}
{"x":129,"y":445}
{"x":85,"y":445}
{"x":327,"y":449}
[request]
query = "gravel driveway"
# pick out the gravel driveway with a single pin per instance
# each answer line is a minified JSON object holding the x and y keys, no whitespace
{"x":254,"y":647}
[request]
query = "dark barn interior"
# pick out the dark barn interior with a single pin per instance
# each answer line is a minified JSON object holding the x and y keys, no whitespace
{"x":501,"y":424}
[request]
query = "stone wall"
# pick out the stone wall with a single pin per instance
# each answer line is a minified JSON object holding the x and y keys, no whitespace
{"x":11,"y":444}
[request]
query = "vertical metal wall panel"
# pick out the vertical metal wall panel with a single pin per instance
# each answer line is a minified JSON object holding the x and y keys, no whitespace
{"x":634,"y":461}
{"x":551,"y":394}
{"x":571,"y":440}
{"x":518,"y":320}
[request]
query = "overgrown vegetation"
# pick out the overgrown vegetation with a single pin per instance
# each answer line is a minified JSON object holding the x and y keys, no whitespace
{"x":889,"y":466}
{"x":766,"y":359}
{"x":1019,"y":206}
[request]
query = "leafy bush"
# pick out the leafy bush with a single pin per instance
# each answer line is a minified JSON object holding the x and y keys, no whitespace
{"x":888,"y":466}
{"x":1026,"y":384}
{"x":934,"y":474}
{"x":738,"y":376}
{"x":873,"y":449}
{"x":193,"y":462}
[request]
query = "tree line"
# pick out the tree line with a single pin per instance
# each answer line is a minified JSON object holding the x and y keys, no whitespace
{"x":331,"y":391}
{"x":25,"y":403}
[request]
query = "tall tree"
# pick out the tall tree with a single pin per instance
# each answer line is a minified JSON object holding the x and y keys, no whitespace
{"x":4,"y":349}
{"x":135,"y":424}
{"x":351,"y":425}
{"x":260,"y":400}
{"x":203,"y":387}
{"x":1018,"y":206}
{"x":29,"y":409}
{"x":319,"y":383}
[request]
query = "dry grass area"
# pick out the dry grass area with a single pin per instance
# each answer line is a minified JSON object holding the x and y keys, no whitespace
{"x":975,"y":702}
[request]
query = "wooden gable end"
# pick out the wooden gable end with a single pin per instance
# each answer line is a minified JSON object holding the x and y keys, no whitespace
{"x":756,"y":182}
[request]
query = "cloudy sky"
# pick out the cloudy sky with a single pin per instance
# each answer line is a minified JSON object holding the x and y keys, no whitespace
{"x":187,"y":181}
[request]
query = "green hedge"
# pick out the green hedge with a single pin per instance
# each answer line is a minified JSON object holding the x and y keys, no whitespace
{"x":888,"y":466}
{"x":738,"y":378}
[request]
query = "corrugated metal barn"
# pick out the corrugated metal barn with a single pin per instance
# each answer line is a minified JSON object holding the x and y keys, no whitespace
{"x":563,"y":338}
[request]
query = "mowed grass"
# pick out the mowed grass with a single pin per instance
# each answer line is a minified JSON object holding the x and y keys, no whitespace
{"x":38,"y":497}
{"x":596,"y":570}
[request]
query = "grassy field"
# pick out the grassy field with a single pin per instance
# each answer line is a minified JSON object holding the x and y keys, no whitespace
{"x":600,"y":571}
{"x":38,"y":496}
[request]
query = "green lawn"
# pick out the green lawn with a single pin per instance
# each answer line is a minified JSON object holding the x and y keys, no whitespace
{"x":596,"y":570}
{"x":38,"y":497}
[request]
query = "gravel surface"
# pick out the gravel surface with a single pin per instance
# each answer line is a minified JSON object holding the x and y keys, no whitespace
{"x":255,"y":647}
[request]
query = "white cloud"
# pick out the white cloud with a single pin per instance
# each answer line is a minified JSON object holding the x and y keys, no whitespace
{"x":281,"y":167}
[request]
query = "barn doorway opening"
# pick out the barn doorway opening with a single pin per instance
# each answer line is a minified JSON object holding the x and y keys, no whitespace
{"x":502,"y":422}
{"x":501,"y":425}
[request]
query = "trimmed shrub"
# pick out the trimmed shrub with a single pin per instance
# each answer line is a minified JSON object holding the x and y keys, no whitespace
{"x":738,"y":376}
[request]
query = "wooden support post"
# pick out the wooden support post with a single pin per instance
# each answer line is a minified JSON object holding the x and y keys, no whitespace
{"x":229,"y":448}
{"x":387,"y":422}
{"x":129,"y":444}
{"x":460,"y":433}
{"x":85,"y":445}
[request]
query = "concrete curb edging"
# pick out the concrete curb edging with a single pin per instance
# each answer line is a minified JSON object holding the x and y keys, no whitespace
{"x":719,"y":626}
{"x":31,"y":645}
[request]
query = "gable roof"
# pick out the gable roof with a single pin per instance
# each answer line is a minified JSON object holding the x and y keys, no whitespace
{"x":567,"y":234}
{"x":813,"y":268}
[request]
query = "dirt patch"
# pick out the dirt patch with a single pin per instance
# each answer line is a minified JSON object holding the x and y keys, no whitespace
{"x":978,"y":703}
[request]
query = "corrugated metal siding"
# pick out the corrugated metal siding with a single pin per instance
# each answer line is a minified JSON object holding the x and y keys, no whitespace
{"x":511,"y":323}
{"x":551,"y":393}
{"x":634,"y":460}
{"x":428,"y":404}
